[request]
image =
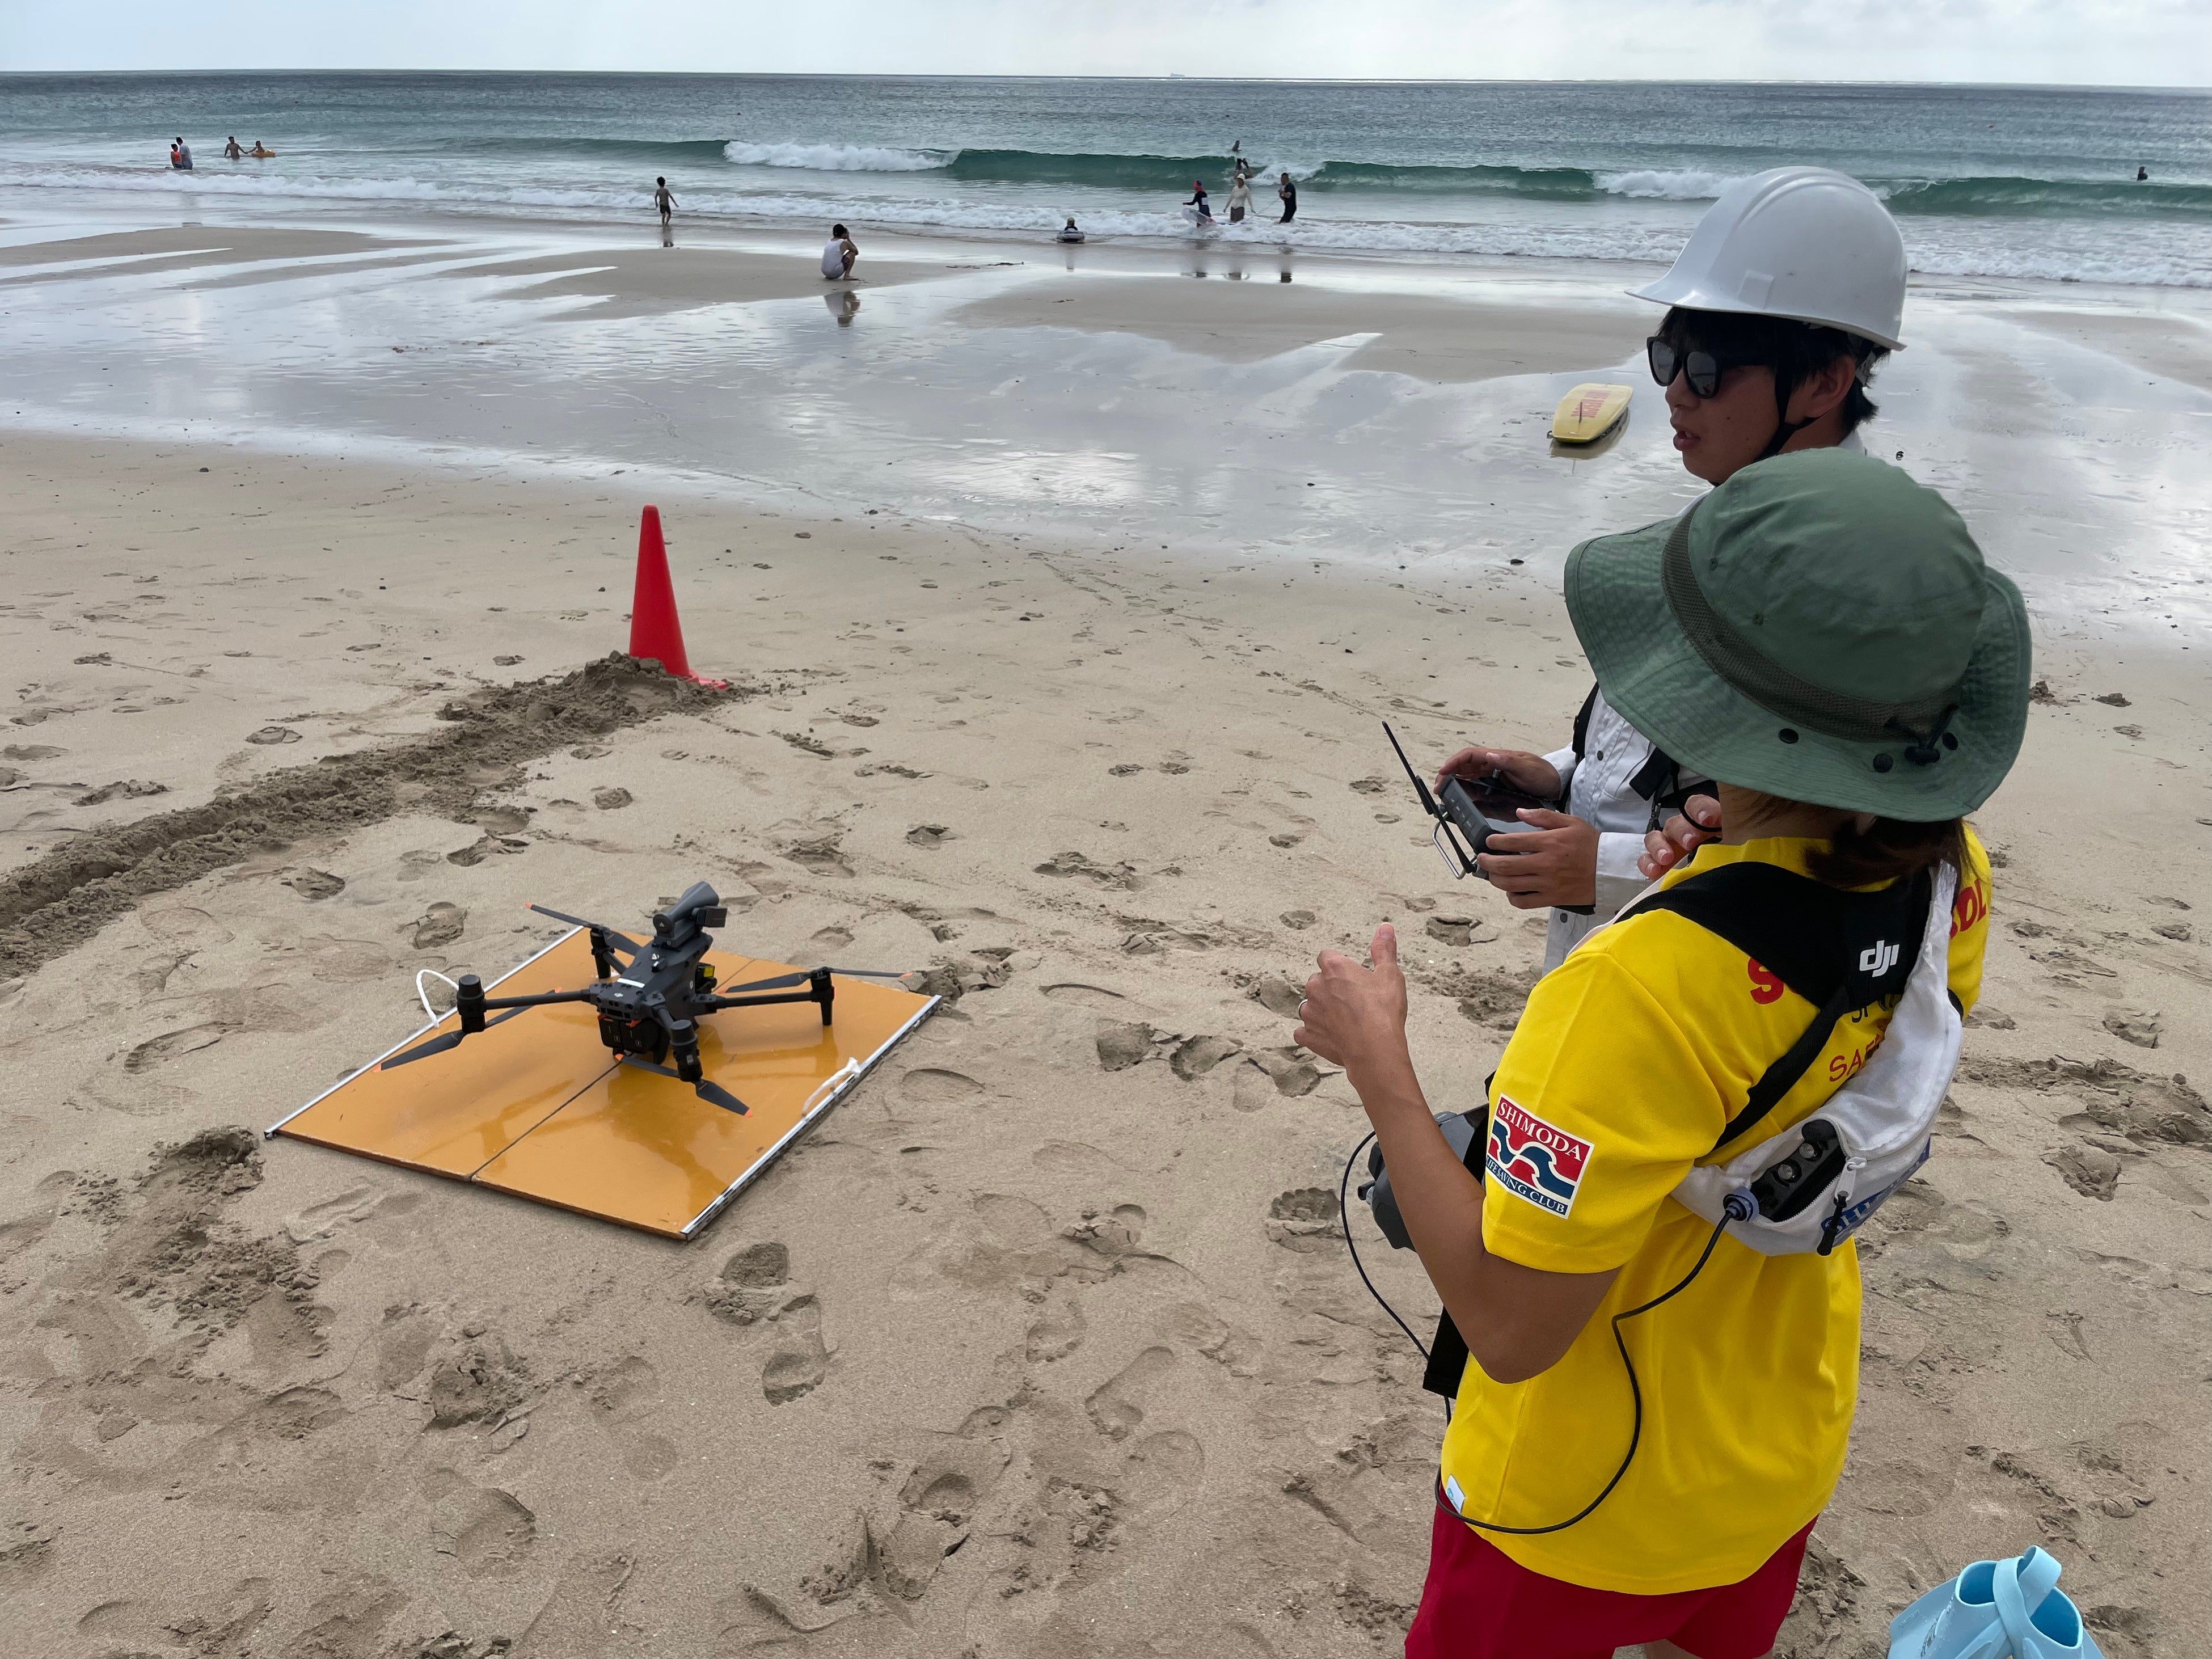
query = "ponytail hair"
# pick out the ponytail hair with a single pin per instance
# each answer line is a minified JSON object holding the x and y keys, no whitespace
{"x":1888,"y":849}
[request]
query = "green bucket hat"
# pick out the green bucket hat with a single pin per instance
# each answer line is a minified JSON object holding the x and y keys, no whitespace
{"x":1820,"y":628}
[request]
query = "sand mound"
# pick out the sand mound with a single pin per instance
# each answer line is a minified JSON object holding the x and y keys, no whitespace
{"x":55,"y":903}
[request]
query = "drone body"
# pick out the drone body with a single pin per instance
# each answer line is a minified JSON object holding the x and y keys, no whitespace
{"x":649,"y":996}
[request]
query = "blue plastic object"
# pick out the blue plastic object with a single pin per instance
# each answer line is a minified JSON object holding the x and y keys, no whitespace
{"x":2008,"y":1609}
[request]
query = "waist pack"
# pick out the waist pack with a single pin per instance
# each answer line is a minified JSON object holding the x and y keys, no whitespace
{"x":1818,"y":1181}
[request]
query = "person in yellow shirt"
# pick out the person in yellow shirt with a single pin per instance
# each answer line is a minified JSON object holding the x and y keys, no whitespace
{"x":1652,"y":1267}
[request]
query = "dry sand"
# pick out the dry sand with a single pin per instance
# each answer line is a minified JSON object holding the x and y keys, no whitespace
{"x":1043,"y":1343}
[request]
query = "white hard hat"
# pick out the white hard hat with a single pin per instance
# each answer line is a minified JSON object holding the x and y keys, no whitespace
{"x":1803,"y":243}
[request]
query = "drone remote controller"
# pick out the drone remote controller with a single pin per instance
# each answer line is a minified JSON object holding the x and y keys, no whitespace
{"x":1473,"y":810}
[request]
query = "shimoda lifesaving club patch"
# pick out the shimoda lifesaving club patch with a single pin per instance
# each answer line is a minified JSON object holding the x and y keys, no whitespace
{"x":1531,"y":1159}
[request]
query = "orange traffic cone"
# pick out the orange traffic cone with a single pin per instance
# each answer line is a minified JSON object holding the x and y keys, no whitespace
{"x":654,"y":630}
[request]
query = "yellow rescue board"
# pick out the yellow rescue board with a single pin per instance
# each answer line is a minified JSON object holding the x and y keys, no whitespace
{"x":538,"y":1106}
{"x":1589,"y":412}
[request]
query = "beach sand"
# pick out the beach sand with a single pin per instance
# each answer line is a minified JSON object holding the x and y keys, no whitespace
{"x":1043,"y":1342}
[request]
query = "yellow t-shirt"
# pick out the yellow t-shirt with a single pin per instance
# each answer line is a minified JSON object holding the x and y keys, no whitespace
{"x":1630,"y":1058}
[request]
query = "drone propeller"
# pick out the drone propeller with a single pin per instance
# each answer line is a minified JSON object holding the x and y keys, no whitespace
{"x":804,"y":973}
{"x":713,"y":1093}
{"x":627,"y":944}
{"x":439,"y":1045}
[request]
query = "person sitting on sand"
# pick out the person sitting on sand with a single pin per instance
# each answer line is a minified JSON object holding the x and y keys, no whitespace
{"x":664,"y":199}
{"x":261,"y":152}
{"x":1822,"y":635}
{"x":838,"y":254}
{"x":231,"y":152}
{"x":1744,"y":378}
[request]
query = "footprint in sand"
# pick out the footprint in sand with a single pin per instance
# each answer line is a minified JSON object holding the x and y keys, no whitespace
{"x":802,"y":1358}
{"x":312,"y":884}
{"x":2090,"y":1170}
{"x":1304,"y":1220}
{"x":1279,"y":993}
{"x":488,"y":1531}
{"x":170,"y":1045}
{"x":221,"y":1623}
{"x":622,"y":1397}
{"x":937,"y":1506}
{"x":753,"y":1284}
{"x":442,"y":924}
{"x":273,"y":734}
{"x":755,"y":1287}
{"x":931,"y":1085}
{"x":1056,"y":1331}
{"x":1117,"y":1406}
{"x":403,"y":1340}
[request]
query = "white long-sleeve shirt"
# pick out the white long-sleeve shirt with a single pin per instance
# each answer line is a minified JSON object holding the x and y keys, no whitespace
{"x":1601,"y":790}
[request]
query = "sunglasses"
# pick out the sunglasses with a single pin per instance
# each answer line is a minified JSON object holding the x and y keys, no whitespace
{"x":1703,"y":368}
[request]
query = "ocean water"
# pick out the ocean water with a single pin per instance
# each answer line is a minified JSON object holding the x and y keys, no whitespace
{"x":1986,"y":181}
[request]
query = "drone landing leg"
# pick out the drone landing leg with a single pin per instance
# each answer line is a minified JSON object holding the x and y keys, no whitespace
{"x":819,"y":988}
{"x":683,"y":1049}
{"x":469,"y":1003}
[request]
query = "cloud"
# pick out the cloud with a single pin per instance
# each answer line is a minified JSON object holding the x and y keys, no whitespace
{"x":2129,"y":42}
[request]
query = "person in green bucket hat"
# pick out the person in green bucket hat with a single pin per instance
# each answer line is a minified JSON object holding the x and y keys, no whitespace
{"x":1652,"y":1264}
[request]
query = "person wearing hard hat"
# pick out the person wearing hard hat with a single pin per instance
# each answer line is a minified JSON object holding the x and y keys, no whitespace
{"x":1788,"y":294}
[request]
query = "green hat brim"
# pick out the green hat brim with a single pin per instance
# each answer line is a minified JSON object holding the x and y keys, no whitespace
{"x":1650,"y":672}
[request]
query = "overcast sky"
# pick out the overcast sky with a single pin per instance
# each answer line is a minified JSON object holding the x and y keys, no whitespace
{"x":2110,"y":42}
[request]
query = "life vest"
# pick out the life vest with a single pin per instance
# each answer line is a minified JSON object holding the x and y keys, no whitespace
{"x":1841,"y":951}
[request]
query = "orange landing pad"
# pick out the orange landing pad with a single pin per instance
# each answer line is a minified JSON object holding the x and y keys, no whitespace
{"x":537,"y":1105}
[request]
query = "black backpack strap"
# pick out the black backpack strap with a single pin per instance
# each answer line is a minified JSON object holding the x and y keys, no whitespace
{"x":1447,"y":1348}
{"x":1839,"y":950}
{"x":1582,"y":722}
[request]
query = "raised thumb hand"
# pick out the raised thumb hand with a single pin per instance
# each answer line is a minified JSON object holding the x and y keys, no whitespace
{"x":1383,"y":950}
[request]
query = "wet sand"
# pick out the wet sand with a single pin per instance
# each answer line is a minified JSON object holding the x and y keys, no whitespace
{"x":1043,"y":1342}
{"x":1249,"y":316}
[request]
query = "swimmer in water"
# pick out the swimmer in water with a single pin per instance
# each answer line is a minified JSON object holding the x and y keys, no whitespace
{"x":261,"y":152}
{"x":1070,"y":232}
{"x":231,"y":152}
{"x":664,"y":199}
{"x":180,"y":157}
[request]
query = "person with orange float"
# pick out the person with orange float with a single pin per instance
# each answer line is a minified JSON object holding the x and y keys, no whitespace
{"x":1788,"y":294}
{"x":1646,"y":1255}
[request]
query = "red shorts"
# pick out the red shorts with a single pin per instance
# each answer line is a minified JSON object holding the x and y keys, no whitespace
{"x":1479,"y":1603}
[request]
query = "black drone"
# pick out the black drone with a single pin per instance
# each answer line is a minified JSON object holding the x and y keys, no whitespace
{"x":650,"y":1010}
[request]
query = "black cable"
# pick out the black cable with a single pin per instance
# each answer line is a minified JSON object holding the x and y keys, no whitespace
{"x":1344,"y":1220}
{"x":1635,"y":1393}
{"x":1739,"y":1207}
